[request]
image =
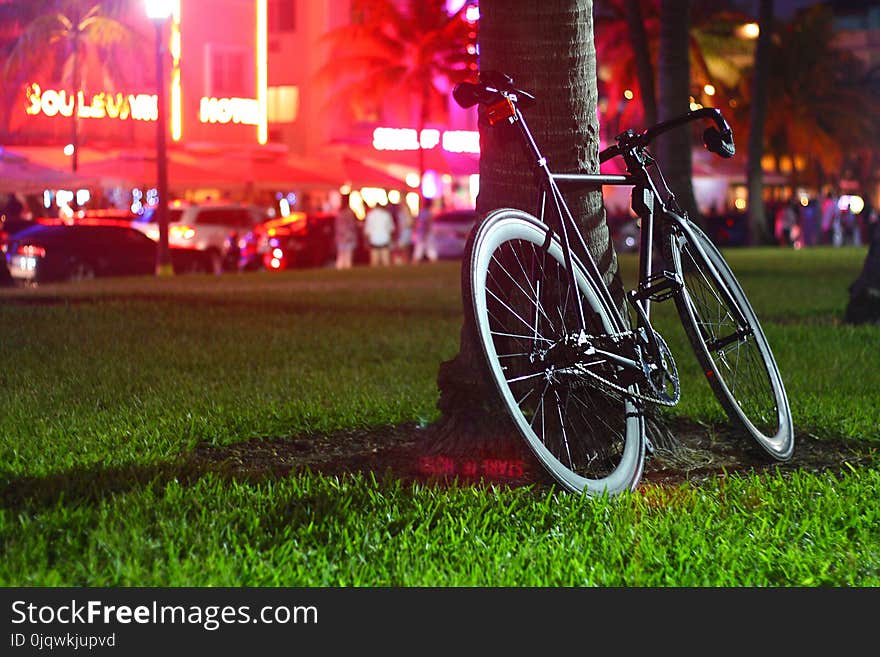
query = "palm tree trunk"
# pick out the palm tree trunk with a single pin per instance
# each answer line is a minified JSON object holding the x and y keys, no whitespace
{"x":674,"y":79}
{"x":759,"y":230}
{"x":644,"y":68}
{"x":548,"y":47}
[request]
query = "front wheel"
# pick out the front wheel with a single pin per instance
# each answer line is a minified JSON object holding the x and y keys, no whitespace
{"x":730,"y":344}
{"x":589,"y":438}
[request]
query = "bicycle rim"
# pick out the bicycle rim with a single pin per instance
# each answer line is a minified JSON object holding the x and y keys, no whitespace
{"x":589,"y":439}
{"x":740,"y":368}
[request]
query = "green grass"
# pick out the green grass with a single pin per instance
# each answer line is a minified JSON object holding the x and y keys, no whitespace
{"x":108,"y":386}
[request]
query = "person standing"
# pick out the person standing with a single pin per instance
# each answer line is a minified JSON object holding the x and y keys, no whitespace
{"x":345,"y":232}
{"x":379,"y":228}
{"x":424,"y":244}
{"x":787,"y":230}
{"x":830,"y":226}
{"x":403,"y":243}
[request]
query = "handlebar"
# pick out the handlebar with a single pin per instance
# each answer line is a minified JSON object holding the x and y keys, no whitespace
{"x":494,"y":86}
{"x":717,"y":139}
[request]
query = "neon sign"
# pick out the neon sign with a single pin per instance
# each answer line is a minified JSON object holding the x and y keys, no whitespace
{"x":229,"y":110}
{"x":461,"y":141}
{"x":51,"y":102}
{"x":407,"y":139}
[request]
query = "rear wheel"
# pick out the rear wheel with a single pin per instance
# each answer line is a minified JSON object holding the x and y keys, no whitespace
{"x":591,"y":439}
{"x":730,"y":344}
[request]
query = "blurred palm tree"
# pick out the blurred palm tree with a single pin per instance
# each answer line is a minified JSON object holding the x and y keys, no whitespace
{"x":627,"y":46}
{"x":410,"y":52}
{"x":821,"y":111}
{"x":68,"y":40}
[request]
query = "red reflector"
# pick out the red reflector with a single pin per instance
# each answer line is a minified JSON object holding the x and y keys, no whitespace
{"x":710,"y":374}
{"x":503,"y":109}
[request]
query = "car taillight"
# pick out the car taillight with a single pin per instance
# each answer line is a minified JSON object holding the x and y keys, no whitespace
{"x":274,"y":260}
{"x":183,"y":232}
{"x":31,"y":250}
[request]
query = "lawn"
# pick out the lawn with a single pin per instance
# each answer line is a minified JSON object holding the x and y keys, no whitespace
{"x":109,"y":386}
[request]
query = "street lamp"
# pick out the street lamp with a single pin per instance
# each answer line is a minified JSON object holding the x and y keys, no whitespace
{"x":159,"y":11}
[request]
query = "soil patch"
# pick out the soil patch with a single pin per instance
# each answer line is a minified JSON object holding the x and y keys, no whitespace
{"x":403,"y":452}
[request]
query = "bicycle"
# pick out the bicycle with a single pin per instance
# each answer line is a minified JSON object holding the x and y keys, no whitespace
{"x":576,"y":371}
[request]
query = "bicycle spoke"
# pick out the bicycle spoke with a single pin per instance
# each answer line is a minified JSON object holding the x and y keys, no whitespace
{"x":562,"y":424}
{"x":531,"y":295}
{"x":524,"y":377}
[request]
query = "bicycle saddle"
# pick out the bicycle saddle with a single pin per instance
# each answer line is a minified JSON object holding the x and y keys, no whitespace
{"x":491,"y":87}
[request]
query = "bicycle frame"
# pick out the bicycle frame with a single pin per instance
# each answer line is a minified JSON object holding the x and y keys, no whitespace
{"x":649,"y":195}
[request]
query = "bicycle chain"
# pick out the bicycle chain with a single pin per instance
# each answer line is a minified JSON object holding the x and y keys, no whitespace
{"x":625,"y":391}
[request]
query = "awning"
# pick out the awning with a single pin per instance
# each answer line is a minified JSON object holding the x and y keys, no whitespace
{"x":142,"y":169}
{"x":18,"y":174}
{"x":275,"y":171}
{"x":360,"y":173}
{"x":215,"y":167}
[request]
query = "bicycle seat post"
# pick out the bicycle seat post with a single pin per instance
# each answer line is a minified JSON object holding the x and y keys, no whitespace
{"x":643,"y":206}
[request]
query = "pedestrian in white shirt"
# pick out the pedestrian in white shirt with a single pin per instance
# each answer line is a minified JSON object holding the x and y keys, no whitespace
{"x":379,"y":228}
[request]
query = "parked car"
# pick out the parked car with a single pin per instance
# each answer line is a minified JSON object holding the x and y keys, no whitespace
{"x":451,"y":230}
{"x":215,"y":229}
{"x":45,"y":253}
{"x":301,"y":239}
{"x":9,"y":227}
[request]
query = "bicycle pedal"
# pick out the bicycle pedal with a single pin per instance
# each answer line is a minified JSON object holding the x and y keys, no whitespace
{"x":658,"y":287}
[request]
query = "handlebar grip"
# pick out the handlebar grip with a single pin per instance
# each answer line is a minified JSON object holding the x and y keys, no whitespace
{"x":718,"y":142}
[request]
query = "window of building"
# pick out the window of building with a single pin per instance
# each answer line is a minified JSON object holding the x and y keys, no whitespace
{"x":282,"y":15}
{"x":282,"y":104}
{"x":230,"y":72}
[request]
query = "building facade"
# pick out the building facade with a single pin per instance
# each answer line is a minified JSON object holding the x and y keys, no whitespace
{"x":241,"y":82}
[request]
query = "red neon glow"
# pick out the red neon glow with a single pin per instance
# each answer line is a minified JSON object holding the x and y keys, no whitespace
{"x":445,"y":466}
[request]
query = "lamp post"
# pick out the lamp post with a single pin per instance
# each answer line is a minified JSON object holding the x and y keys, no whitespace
{"x":159,"y":11}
